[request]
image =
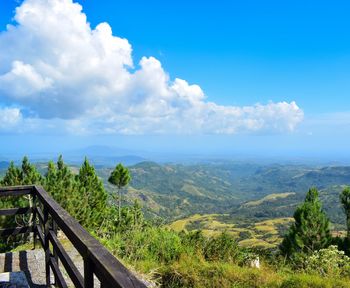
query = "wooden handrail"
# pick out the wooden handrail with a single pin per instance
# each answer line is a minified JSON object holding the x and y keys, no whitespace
{"x":98,"y":260}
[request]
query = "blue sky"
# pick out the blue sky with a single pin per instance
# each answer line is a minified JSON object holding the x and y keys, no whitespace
{"x":233,"y":54}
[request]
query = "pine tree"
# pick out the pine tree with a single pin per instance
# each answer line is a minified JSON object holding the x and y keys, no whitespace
{"x":345,"y":201}
{"x":59,"y":182}
{"x":26,"y":175}
{"x":12,"y":176}
{"x":50,"y":179}
{"x":29,"y":173}
{"x":310,"y":231}
{"x":92,"y":202}
{"x":120,"y":177}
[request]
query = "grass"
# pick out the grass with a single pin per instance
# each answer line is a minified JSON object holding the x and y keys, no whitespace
{"x":270,"y":197}
{"x":264,"y":234}
{"x":192,"y":272}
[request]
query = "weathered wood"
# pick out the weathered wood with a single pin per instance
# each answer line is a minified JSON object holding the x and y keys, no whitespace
{"x":41,"y":235}
{"x":34,"y":220}
{"x":40,"y":215}
{"x":97,"y":259}
{"x":68,"y":264}
{"x":47,"y":246}
{"x":108,"y":269}
{"x":15,"y":211}
{"x":15,"y":231}
{"x":88,"y":273}
{"x":59,"y":279}
{"x":15,"y":193}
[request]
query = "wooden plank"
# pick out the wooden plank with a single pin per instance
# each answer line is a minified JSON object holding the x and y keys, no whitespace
{"x":40,"y":215}
{"x":17,"y":188}
{"x":107,"y":268}
{"x":67,"y":262}
{"x":88,"y":273}
{"x":111,"y":272}
{"x":15,"y":231}
{"x":14,"y":193}
{"x":15,"y":211}
{"x":59,"y":280}
{"x":41,"y":235}
{"x":47,"y":246}
{"x":97,"y":259}
{"x":79,"y":237}
{"x":34,"y":220}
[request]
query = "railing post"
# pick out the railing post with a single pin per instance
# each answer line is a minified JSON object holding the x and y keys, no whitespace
{"x":47,"y":246}
{"x":54,"y":227}
{"x":88,"y":273}
{"x":34,"y":219}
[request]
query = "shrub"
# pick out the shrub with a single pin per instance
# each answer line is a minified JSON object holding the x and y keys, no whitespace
{"x":329,"y":261}
{"x":222,"y":248}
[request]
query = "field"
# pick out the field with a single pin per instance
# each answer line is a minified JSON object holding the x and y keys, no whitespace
{"x":264,"y":234}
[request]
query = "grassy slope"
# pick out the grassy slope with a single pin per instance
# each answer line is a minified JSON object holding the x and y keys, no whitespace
{"x":265,"y":234}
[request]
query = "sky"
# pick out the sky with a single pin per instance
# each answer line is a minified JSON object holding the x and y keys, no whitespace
{"x":267,"y":78}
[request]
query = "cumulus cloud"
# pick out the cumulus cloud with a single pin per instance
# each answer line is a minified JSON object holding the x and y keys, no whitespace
{"x":54,"y":65}
{"x":9,"y":117}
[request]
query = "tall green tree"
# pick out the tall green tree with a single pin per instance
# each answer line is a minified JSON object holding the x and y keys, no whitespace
{"x":310,"y":231}
{"x":12,"y":176}
{"x":345,"y":201}
{"x":120,"y":177}
{"x":60,"y":183}
{"x":29,"y":173}
{"x":91,"y":204}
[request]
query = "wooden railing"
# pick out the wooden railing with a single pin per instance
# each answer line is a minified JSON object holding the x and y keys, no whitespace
{"x":48,"y":216}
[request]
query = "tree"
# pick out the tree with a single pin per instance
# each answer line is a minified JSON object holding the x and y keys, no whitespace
{"x":29,"y":173}
{"x":310,"y":231}
{"x":345,"y":201}
{"x":120,"y":177}
{"x":90,"y":205}
{"x":12,"y":176}
{"x":26,"y":175}
{"x":59,"y":182}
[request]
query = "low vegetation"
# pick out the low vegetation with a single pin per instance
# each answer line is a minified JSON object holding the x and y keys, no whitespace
{"x":202,"y":250}
{"x":263,"y":234}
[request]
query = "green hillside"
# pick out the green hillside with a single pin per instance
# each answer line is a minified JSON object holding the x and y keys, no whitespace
{"x":243,"y":190}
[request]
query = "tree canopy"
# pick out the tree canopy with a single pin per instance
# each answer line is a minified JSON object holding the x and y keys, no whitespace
{"x":310,"y":231}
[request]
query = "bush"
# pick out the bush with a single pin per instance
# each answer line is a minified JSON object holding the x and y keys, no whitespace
{"x":151,"y":243}
{"x":222,"y":248}
{"x":329,"y":262}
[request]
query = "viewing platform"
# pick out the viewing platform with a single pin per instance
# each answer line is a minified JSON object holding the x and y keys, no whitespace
{"x":83,"y":262}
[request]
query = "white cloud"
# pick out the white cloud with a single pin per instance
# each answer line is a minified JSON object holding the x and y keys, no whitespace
{"x":9,"y":117}
{"x":60,"y":69}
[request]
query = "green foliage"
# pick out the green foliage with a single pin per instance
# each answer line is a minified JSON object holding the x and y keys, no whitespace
{"x":60,"y":183}
{"x":12,"y":176}
{"x":328,"y":262}
{"x":313,"y":281}
{"x":89,"y":205}
{"x":310,"y":231}
{"x":222,"y":248}
{"x":192,"y":259}
{"x":345,"y":201}
{"x":120,"y":177}
{"x":27,"y":174}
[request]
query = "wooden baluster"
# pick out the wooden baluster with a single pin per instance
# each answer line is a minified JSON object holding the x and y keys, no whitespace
{"x":47,"y":246}
{"x":34,"y":219}
{"x":54,"y":226}
{"x":88,"y":273}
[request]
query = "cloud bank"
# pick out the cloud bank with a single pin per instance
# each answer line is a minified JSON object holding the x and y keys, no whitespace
{"x":56,"y":72}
